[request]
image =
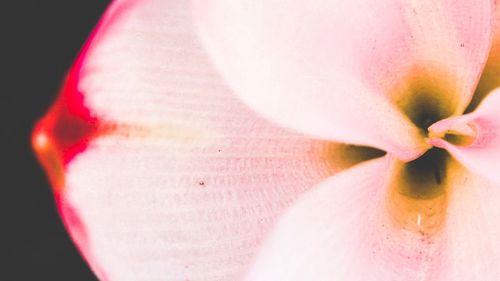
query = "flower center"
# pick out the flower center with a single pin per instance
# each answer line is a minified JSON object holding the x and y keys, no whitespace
{"x":424,"y":177}
{"x":424,"y":110}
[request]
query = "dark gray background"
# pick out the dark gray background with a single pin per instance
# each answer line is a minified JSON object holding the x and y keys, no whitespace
{"x":38,"y":42}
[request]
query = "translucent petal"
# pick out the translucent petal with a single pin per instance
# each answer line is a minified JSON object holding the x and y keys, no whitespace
{"x":160,"y":172}
{"x":350,"y":70}
{"x":340,"y":230}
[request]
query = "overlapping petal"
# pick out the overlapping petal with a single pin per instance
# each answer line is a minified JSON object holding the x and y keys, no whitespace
{"x":474,"y":138}
{"x":156,"y":209}
{"x":180,"y":181}
{"x":349,"y":70}
{"x":471,"y":249}
{"x":184,"y":182}
{"x":340,"y":230}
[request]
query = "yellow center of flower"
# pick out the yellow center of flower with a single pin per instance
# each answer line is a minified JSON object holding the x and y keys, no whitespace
{"x":418,"y":191}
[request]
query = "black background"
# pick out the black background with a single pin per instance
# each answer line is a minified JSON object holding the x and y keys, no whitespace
{"x":38,"y":41}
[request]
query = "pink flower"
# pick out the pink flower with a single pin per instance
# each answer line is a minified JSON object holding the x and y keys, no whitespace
{"x":283,"y":140}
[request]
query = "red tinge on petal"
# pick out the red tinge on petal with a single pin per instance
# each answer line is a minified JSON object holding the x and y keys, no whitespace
{"x":68,"y":127}
{"x":64,"y":131}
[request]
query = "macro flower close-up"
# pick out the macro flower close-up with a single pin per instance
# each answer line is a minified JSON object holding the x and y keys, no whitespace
{"x":282,"y":140}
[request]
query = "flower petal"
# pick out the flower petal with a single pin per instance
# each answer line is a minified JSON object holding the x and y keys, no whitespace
{"x":482,"y":127}
{"x":490,"y":78}
{"x":176,"y":179}
{"x":349,"y":70}
{"x":174,"y":210}
{"x":340,"y":231}
{"x":471,"y":247}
